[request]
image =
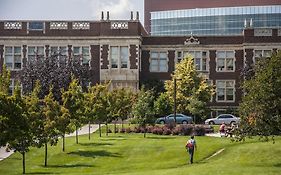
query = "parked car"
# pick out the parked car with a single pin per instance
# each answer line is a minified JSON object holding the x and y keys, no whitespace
{"x":226,"y":118}
{"x":181,"y":119}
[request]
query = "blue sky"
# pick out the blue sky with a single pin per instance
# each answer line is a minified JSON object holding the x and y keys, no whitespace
{"x":68,"y":9}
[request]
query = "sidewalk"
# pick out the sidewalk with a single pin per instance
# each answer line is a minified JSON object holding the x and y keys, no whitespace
{"x":82,"y":131}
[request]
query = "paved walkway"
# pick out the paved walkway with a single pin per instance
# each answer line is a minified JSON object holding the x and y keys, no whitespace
{"x":84,"y":130}
{"x":216,"y":134}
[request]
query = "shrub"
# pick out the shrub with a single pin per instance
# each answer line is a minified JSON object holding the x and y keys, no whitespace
{"x":176,"y":131}
{"x":185,"y":130}
{"x":167,"y":131}
{"x":128,"y":130}
{"x":199,"y":130}
{"x":122,"y":130}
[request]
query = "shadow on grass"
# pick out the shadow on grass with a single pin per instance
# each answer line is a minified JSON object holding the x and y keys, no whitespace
{"x":160,"y":138}
{"x":95,"y":144}
{"x":94,"y":154}
{"x":277,"y":165}
{"x":68,"y":166}
{"x":41,"y":173}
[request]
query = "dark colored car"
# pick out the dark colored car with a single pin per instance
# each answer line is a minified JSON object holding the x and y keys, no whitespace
{"x":181,"y":119}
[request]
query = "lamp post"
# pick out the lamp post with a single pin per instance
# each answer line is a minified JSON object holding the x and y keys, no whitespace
{"x":175,"y":100}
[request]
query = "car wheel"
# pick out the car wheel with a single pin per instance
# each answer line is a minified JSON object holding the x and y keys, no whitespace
{"x":233,"y":122}
{"x":162,"y":122}
{"x":211,"y":123}
{"x":184,"y":122}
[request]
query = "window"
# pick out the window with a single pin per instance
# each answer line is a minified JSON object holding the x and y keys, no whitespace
{"x":225,"y":61}
{"x":82,"y":53}
{"x":200,"y":59}
{"x":36,"y":25}
{"x":59,"y":52}
{"x":35,"y":52}
{"x":225,"y":90}
{"x":119,"y":56}
{"x":12,"y":57}
{"x":259,"y":54}
{"x":12,"y":86}
{"x":158,"y":62}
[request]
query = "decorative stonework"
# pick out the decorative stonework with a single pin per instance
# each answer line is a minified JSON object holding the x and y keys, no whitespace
{"x":263,"y":32}
{"x":80,"y":25}
{"x":13,"y":25}
{"x":191,"y":41}
{"x":119,"y":25}
{"x":279,"y":32}
{"x":58,"y":25}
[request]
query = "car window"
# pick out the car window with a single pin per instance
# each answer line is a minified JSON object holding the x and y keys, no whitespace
{"x":179,"y":115}
{"x":228,"y":116}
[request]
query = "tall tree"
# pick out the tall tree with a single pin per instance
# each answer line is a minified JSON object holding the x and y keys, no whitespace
{"x":260,"y":109}
{"x":190,"y":87}
{"x":73,"y":101}
{"x":163,"y":105}
{"x":143,"y":109}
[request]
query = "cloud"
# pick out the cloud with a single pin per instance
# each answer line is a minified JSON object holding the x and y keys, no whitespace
{"x":118,"y":9}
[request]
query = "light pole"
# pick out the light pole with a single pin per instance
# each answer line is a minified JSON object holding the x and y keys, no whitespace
{"x":175,"y":100}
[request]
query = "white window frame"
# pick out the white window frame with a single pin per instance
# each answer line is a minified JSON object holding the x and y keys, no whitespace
{"x":80,"y":54}
{"x":158,"y":60}
{"x":192,"y":52}
{"x":13,"y":57}
{"x":225,"y":62}
{"x":12,"y":86}
{"x":119,"y":63}
{"x":225,"y":93}
{"x":35,"y":55}
{"x":262,"y":54}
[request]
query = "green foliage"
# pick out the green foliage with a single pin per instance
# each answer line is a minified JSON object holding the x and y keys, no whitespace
{"x":73,"y":99}
{"x":192,"y":90}
{"x":5,"y":76}
{"x":143,"y":109}
{"x":156,"y":85}
{"x":163,"y":105}
{"x":260,"y":109}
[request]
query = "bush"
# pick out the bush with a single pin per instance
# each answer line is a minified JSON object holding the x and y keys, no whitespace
{"x":199,"y":130}
{"x":186,"y":130}
{"x":167,"y":131}
{"x":128,"y":130}
{"x":122,"y":130}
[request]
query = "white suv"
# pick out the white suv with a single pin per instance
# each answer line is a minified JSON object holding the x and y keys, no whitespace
{"x":226,"y":118}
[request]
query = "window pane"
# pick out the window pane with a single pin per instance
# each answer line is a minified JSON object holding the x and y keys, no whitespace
{"x":114,"y":57}
{"x":220,"y":54}
{"x":229,"y":94}
{"x":31,"y":50}
{"x":220,"y":84}
{"x":124,"y":57}
{"x":220,"y":94}
{"x":76,"y":50}
{"x":220,"y":63}
{"x":229,"y":84}
{"x":154,"y":55}
{"x":230,"y":54}
{"x":229,"y":64}
{"x":204,"y":63}
{"x":17,"y":50}
{"x":163,"y":55}
{"x":267,"y":53}
{"x":258,"y":53}
{"x":8,"y":50}
{"x":197,"y":63}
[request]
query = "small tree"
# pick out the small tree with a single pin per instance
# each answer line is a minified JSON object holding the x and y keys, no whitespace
{"x":5,"y":76}
{"x":73,"y":101}
{"x":143,"y":109}
{"x":163,"y":105}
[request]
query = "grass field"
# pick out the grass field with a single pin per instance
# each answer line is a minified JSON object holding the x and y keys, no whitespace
{"x":132,"y":154}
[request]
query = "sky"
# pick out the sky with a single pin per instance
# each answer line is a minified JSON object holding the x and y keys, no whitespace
{"x":69,"y":9}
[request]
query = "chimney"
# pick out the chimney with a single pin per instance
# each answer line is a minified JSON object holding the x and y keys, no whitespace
{"x":132,"y":15}
{"x":102,"y":16}
{"x":137,"y":16}
{"x":107,"y":15}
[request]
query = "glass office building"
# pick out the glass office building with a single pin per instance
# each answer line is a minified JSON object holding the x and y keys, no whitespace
{"x":214,"y":21}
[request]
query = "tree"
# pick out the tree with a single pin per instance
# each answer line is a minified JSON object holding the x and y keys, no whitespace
{"x":143,"y":109}
{"x":260,"y":109}
{"x":98,"y":102}
{"x":5,"y":76}
{"x":55,"y":70}
{"x":192,"y":91}
{"x":157,"y":86}
{"x":163,"y":105}
{"x":15,"y":124}
{"x":73,"y":101}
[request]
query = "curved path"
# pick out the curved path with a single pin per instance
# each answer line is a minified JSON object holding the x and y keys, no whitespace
{"x":84,"y":130}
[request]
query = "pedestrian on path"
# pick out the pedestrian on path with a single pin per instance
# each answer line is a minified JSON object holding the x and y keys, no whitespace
{"x":191,"y":146}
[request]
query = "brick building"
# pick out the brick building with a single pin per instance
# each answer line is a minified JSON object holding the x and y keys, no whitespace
{"x":123,"y":52}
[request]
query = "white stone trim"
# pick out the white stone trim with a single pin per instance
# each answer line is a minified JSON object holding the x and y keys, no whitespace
{"x":119,"y":25}
{"x":8,"y":25}
{"x":262,"y":32}
{"x":80,"y":25}
{"x":58,"y":25}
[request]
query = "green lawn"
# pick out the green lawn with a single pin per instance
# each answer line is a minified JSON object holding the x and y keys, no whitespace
{"x":159,"y":155}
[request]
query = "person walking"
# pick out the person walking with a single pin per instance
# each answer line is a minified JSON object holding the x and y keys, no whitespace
{"x":191,"y":146}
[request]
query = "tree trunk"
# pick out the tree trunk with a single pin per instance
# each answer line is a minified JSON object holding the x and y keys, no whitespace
{"x":23,"y":163}
{"x":63,"y":142}
{"x":106,"y":128}
{"x":76,"y":135}
{"x":144,"y":135}
{"x":46,"y":153}
{"x":89,"y":130}
{"x":99,"y":129}
{"x":122,"y":124}
{"x":115,"y":127}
